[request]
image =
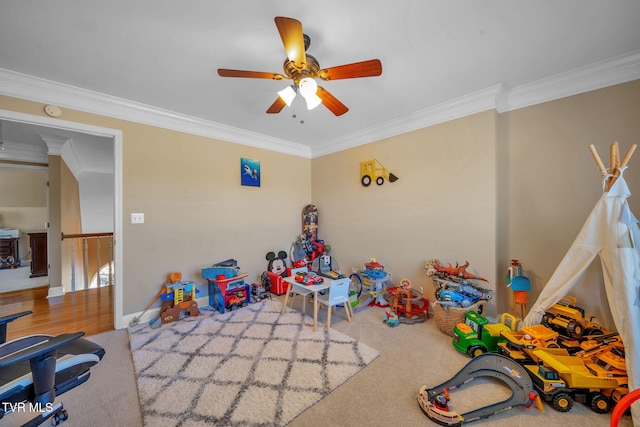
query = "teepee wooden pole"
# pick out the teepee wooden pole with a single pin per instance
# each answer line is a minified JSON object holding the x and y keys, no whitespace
{"x":596,"y":157}
{"x":627,"y":156}
{"x":622,"y":165}
{"x":614,"y":162}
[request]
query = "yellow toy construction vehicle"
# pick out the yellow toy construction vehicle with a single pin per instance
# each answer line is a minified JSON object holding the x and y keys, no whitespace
{"x":568,"y":319}
{"x":587,"y":377}
{"x":372,"y":169}
{"x":519,"y":345}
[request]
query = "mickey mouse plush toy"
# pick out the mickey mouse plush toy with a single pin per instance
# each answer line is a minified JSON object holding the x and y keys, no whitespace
{"x":277,"y":264}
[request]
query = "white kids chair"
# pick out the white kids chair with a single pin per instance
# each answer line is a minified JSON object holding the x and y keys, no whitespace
{"x":338,"y":294}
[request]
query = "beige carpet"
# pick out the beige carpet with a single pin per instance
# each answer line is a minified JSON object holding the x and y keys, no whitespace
{"x":248,"y":367}
{"x":381,"y":395}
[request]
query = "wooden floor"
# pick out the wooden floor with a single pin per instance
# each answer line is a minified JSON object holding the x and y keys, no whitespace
{"x":89,"y":311}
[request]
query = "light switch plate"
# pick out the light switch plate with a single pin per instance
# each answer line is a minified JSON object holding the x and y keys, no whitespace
{"x":137,"y":218}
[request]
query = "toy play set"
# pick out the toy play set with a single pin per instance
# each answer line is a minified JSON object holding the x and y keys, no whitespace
{"x":434,"y":401}
{"x":227,"y":289}
{"x":178,"y":300}
{"x":407,"y":304}
{"x":566,"y":358}
{"x":374,"y":281}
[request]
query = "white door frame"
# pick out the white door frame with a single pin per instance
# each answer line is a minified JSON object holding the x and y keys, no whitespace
{"x":116,"y":134}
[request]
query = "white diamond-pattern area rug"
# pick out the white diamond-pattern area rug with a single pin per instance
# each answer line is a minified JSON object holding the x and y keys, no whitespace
{"x":249,"y":367}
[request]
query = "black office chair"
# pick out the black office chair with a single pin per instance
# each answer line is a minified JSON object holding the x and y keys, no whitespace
{"x":35,"y":369}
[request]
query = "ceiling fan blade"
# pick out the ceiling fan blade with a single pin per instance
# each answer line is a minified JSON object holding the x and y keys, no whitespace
{"x":293,"y":40}
{"x":370,"y":68}
{"x":331,"y":102}
{"x":277,"y":106}
{"x":223,"y":72}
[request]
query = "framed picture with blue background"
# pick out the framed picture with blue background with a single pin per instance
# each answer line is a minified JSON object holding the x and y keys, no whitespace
{"x":250,"y":172}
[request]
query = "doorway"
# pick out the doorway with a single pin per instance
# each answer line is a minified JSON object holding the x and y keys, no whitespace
{"x":115,"y":136}
{"x":23,"y":212}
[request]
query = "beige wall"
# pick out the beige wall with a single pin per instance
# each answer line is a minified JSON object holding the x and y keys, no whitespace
{"x":554,"y":182}
{"x":484,"y":188}
{"x":196,"y":211}
{"x":442,"y":206}
{"x":23,"y":202}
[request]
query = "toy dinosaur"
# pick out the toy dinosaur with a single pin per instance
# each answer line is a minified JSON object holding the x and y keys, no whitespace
{"x":457,"y":271}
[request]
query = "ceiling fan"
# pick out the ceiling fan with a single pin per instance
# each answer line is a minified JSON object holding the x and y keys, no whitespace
{"x":303,"y":69}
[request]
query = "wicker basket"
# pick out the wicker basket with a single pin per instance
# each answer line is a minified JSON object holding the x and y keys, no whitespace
{"x":448,"y":317}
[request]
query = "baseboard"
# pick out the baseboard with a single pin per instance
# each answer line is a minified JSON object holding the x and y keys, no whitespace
{"x":55,"y":291}
{"x":153,"y":313}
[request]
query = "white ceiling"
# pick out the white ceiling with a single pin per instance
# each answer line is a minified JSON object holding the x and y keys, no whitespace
{"x":155,"y":61}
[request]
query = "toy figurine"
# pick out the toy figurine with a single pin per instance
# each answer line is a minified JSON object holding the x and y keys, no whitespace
{"x":442,"y":400}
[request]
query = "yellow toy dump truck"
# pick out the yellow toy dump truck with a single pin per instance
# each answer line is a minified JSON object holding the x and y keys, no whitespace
{"x":562,"y":379}
{"x":373,"y":170}
{"x":519,"y":345}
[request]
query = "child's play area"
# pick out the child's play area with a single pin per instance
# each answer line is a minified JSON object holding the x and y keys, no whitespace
{"x":270,"y":213}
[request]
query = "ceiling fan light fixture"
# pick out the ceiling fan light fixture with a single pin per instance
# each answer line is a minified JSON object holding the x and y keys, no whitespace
{"x":288,"y":94}
{"x":308,"y":89}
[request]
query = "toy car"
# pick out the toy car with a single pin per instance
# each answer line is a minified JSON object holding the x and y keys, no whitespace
{"x":390,"y":318}
{"x":308,"y":278}
{"x":237,"y":300}
{"x":258,"y":292}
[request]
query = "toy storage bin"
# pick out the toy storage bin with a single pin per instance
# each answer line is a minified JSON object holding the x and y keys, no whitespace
{"x":448,"y":317}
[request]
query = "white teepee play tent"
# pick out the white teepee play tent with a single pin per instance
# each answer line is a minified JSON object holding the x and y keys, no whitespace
{"x":612,"y":232}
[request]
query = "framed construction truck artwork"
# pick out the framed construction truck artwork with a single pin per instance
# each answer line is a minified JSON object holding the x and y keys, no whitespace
{"x":250,"y":172}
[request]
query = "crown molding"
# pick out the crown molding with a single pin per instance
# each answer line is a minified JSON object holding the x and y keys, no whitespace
{"x":46,"y":91}
{"x":71,"y":159}
{"x":19,"y":152}
{"x":54,"y":143}
{"x":456,"y":108}
{"x":618,"y":70}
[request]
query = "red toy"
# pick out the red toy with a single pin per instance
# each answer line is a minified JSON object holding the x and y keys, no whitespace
{"x":308,"y":278}
{"x":408,"y":303}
